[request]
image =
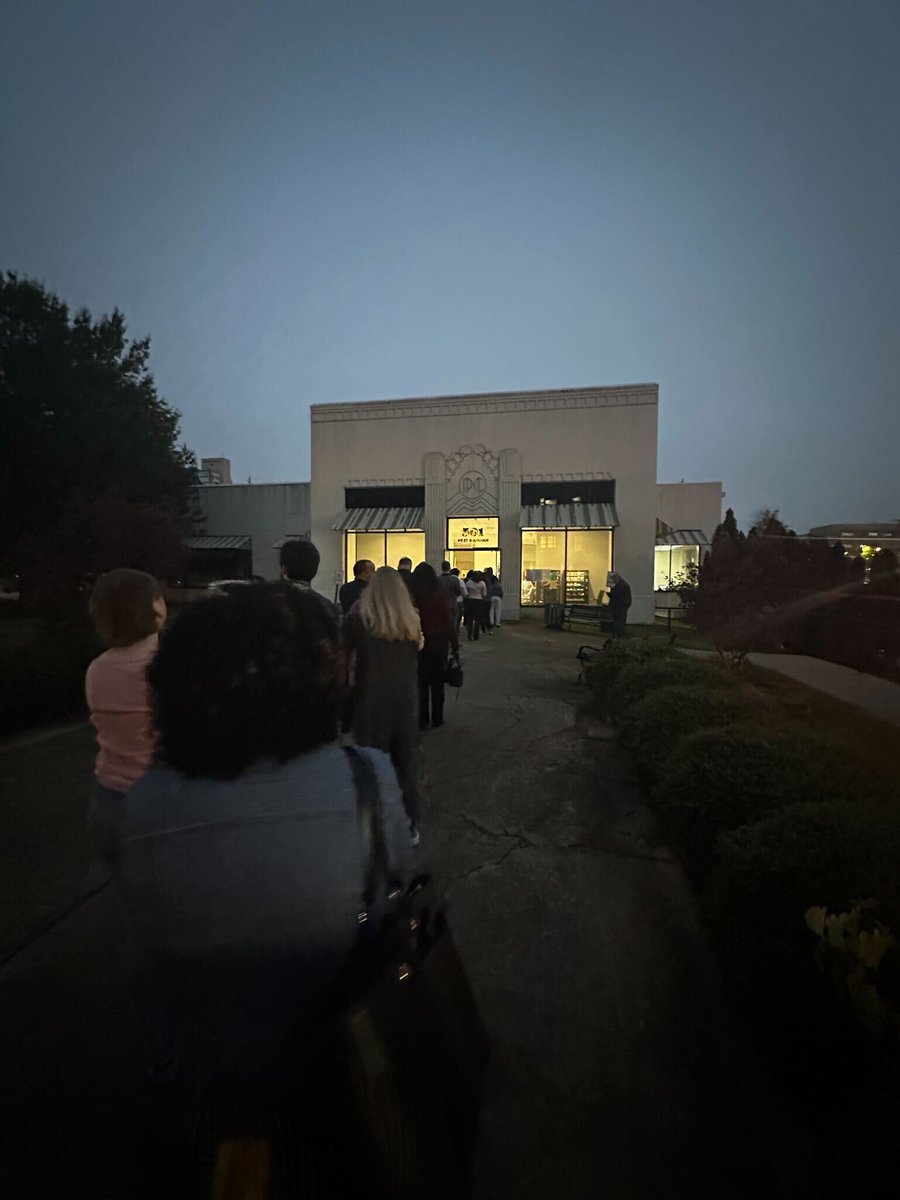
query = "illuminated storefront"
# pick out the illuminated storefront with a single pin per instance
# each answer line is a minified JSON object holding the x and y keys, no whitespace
{"x":551,"y":490}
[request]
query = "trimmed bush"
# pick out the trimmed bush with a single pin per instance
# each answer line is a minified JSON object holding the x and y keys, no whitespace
{"x":639,"y":679}
{"x":768,"y":874}
{"x":652,"y":728}
{"x":617,"y":654}
{"x":717,"y":780}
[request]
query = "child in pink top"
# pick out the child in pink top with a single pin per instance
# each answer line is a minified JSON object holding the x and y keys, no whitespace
{"x":128,"y":610}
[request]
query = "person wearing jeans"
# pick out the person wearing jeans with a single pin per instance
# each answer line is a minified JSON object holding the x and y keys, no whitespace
{"x":439,"y":629}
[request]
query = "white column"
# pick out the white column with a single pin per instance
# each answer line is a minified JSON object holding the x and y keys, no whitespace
{"x":435,"y":469}
{"x":510,"y":531}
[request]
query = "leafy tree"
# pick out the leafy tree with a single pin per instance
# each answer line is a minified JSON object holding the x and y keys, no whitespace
{"x":95,"y":536}
{"x":767,"y":523}
{"x":81,"y":419}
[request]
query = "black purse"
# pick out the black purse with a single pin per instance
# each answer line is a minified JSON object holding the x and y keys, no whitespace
{"x":453,"y":672}
{"x":411,"y":1042}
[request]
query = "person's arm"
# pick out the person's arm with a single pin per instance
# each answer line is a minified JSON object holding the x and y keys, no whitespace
{"x":394,"y":820}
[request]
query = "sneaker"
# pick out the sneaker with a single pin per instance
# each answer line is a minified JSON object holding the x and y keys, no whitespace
{"x":414,"y":838}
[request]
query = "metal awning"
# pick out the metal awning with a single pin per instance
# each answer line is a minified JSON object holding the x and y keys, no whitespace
{"x":569,"y":516}
{"x":382,"y":518}
{"x":217,"y":543}
{"x":682,"y":537}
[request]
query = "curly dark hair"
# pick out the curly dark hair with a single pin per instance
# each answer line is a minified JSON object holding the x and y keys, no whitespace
{"x":245,"y":677}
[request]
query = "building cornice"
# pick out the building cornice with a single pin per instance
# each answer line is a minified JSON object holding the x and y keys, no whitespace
{"x":488,"y":402}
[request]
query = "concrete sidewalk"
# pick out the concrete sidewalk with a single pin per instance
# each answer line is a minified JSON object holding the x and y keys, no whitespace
{"x":617,"y":1069}
{"x":877,"y":696}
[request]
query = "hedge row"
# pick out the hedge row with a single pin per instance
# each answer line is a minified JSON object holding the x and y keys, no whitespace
{"x":44,"y":680}
{"x":767,"y":826}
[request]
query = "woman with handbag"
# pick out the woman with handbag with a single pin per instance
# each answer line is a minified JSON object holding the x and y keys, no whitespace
{"x":439,"y":629}
{"x":242,"y":852}
{"x":383,"y":639}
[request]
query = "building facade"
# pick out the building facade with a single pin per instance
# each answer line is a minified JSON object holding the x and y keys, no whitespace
{"x":553,"y":489}
{"x":688,"y":515}
{"x":243,"y":527}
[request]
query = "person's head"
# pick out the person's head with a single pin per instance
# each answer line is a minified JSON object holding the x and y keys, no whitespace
{"x":614,"y":579}
{"x":424,"y":582}
{"x":127,"y":606}
{"x":363,"y":569}
{"x":445,"y":567}
{"x":455,"y":572}
{"x":386,"y":608}
{"x":245,"y":677}
{"x":470,"y":575}
{"x":488,"y":574}
{"x":299,"y":560}
{"x":405,"y":564}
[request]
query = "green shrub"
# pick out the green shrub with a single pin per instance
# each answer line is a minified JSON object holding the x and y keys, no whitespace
{"x":617,"y":654}
{"x":716,"y":780}
{"x":639,"y":679}
{"x":653,"y":727}
{"x":44,"y":680}
{"x":767,"y":875}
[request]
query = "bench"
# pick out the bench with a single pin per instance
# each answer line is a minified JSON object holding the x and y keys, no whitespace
{"x":598,"y":615}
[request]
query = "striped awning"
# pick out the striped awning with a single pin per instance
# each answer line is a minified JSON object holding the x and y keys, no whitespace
{"x":227,"y":542}
{"x":569,"y":516}
{"x":382,"y":518}
{"x":682,"y":537}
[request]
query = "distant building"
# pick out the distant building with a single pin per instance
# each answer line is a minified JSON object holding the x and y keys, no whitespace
{"x":243,"y":526}
{"x":861,"y":538}
{"x":687,"y":516}
{"x":215,"y":470}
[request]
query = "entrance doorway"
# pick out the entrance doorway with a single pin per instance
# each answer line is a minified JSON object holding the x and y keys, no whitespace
{"x":473,"y":560}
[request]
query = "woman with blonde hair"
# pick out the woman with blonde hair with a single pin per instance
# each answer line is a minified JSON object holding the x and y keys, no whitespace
{"x":382,"y":637}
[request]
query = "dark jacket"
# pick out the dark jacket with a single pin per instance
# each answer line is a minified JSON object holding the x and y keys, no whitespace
{"x":385,"y":692}
{"x":350,"y":593}
{"x":620,"y":595}
{"x":438,"y":623}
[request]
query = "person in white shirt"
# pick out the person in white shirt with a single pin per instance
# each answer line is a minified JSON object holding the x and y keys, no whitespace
{"x":475,"y":593}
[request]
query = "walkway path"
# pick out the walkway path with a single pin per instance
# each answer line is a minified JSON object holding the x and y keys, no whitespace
{"x":877,"y":696}
{"x":617,"y":1071}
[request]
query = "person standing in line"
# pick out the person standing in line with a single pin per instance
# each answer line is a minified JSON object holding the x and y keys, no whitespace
{"x":350,"y":592}
{"x":382,"y":639}
{"x":439,"y":630}
{"x":404,"y":566}
{"x":299,"y":560}
{"x":128,"y":611}
{"x":460,"y":597}
{"x":242,"y":853}
{"x":453,"y":588}
{"x":619,"y":603}
{"x":496,"y":603}
{"x":488,"y":577}
{"x":475,"y":592}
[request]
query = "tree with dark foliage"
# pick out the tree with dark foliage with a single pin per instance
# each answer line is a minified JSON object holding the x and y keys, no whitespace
{"x":83,"y":425}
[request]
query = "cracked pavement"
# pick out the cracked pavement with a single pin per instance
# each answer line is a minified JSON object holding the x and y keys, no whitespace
{"x":617,"y":1070}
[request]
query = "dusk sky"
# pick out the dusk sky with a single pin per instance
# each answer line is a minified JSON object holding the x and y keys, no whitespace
{"x":304,"y":203}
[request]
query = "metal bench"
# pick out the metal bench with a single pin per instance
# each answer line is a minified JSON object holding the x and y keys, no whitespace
{"x":597,"y":615}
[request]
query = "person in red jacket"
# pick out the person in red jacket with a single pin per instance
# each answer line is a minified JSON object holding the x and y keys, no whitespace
{"x":439,"y":629}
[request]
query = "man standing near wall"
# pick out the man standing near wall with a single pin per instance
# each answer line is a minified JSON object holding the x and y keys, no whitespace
{"x":619,"y":603}
{"x":350,"y":592}
{"x":299,"y":561}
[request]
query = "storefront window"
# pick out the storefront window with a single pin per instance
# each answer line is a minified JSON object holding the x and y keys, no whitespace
{"x":671,"y":562}
{"x":405,"y":545}
{"x":588,"y":562}
{"x":382,"y":547}
{"x":565,"y":565}
{"x":543,"y":563}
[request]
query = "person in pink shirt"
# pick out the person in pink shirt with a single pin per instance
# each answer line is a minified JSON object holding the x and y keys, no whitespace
{"x":128,"y":610}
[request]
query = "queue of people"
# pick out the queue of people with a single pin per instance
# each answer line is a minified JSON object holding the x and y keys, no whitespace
{"x":225,"y":800}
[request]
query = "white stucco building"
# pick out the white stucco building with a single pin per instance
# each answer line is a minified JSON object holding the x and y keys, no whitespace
{"x":554,"y":489}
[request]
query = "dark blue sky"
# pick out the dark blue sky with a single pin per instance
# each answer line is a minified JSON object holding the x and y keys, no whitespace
{"x":345,"y":201}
